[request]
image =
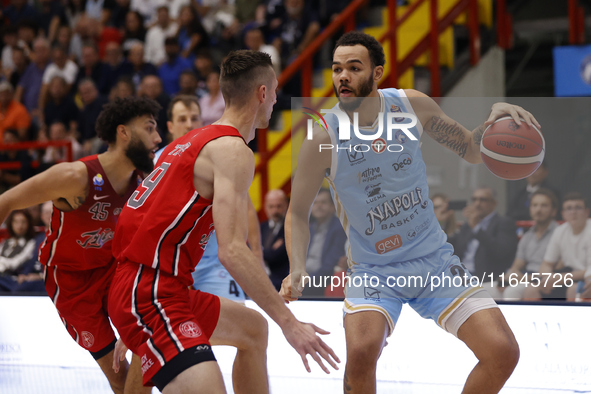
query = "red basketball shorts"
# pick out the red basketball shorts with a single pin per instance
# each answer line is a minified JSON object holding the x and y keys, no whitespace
{"x":163,"y":322}
{"x":81,"y":299}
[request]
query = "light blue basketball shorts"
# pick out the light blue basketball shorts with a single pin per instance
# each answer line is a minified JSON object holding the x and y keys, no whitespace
{"x":434,"y":285}
{"x":213,"y":278}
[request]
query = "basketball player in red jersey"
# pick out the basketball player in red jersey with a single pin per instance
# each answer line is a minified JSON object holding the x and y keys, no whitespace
{"x":87,"y":198}
{"x":203,"y":178}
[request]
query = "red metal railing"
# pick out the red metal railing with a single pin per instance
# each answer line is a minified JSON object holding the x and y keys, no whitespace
{"x":15,"y":165}
{"x":576,"y":25}
{"x":430,"y":42}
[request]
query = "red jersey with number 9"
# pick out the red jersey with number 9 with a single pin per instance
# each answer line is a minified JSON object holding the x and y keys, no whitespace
{"x":81,"y":239}
{"x":166,"y":223}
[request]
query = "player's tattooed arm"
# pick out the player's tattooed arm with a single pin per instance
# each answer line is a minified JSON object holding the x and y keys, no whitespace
{"x":477,"y":135}
{"x":448,"y":133}
{"x":443,"y":129}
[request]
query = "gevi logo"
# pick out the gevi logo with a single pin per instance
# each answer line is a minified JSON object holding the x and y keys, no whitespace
{"x":392,"y":124}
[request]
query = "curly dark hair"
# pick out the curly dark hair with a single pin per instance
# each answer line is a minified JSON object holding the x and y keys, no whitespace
{"x":121,"y":112}
{"x":30,"y":233}
{"x":376,"y":52}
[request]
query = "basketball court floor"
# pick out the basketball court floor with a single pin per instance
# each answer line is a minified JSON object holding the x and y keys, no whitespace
{"x":37,"y":356}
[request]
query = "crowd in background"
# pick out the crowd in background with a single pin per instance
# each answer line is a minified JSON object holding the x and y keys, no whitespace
{"x":62,"y":60}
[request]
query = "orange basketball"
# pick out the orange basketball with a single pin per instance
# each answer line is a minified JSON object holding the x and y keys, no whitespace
{"x":511,"y":151}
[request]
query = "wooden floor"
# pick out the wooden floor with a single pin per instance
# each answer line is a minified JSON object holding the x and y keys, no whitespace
{"x":420,"y":358}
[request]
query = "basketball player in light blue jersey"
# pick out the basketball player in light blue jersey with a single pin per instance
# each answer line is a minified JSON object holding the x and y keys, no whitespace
{"x":382,"y":199}
{"x":210,"y":276}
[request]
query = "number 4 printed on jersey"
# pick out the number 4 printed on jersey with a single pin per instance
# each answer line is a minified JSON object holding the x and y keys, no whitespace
{"x":138,"y":198}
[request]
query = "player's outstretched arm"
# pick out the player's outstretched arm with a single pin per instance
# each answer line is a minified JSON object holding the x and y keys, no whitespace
{"x":452,"y":135}
{"x":233,"y":165}
{"x":66,"y":181}
{"x":312,"y":165}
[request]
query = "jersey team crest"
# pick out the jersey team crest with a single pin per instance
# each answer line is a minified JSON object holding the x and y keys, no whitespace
{"x":190,"y":329}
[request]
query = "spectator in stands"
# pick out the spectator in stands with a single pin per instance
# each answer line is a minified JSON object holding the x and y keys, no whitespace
{"x":120,"y":67}
{"x":51,"y":15}
{"x":328,"y":10}
{"x":151,"y":87}
{"x":445,"y":216}
{"x":85,"y":31}
{"x":273,"y":236}
{"x":134,"y":31}
{"x":74,"y":11}
{"x":10,"y":178}
{"x":191,"y":35}
{"x":35,"y":212}
{"x":568,"y":256}
{"x":10,"y":41}
{"x":60,"y":106}
{"x":93,"y":104}
{"x":119,"y":14}
{"x":217,"y":17}
{"x":94,"y":69}
{"x":13,"y":115}
{"x":531,"y":248}
{"x":327,"y":242}
{"x":64,"y":39}
{"x":55,"y":154}
{"x":27,"y":32}
{"x":486,"y":243}
{"x":518,"y":208}
{"x":20,"y":10}
{"x":99,"y":10}
{"x":60,"y":67}
{"x":18,"y":251}
{"x":140,"y":67}
{"x":30,"y":278}
{"x":148,"y":9}
{"x":255,"y":40}
{"x":29,"y":86}
{"x":188,"y":83}
{"x":104,"y":36}
{"x":122,"y":89}
{"x":245,"y":11}
{"x":203,"y":66}
{"x":21,"y":62}
{"x":212,"y":104}
{"x":299,"y":26}
{"x":157,"y":34}
{"x":172,"y":68}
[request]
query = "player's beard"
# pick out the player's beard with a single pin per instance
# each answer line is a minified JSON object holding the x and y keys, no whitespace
{"x":352,"y":103}
{"x":139,"y":155}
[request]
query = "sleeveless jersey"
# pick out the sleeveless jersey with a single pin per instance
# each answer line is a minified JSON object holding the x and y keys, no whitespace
{"x":166,"y":223}
{"x":81,"y":239}
{"x":380,"y":190}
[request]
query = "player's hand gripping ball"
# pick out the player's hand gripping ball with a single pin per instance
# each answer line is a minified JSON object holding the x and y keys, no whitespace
{"x":512,"y":151}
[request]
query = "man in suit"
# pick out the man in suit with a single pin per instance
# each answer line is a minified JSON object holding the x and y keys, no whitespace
{"x":486,"y":243}
{"x":518,"y":208}
{"x":327,"y":243}
{"x":273,"y":236}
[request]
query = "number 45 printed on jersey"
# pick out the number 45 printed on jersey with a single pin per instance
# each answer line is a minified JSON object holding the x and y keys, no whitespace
{"x":138,"y":198}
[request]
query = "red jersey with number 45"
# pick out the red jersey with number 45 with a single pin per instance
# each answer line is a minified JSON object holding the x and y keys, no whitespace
{"x":81,"y":239}
{"x":166,"y":223}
